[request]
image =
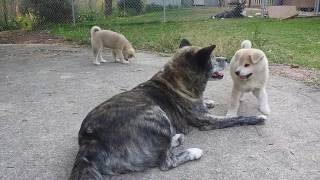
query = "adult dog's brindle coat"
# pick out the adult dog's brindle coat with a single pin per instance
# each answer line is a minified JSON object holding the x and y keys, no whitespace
{"x":138,"y":129}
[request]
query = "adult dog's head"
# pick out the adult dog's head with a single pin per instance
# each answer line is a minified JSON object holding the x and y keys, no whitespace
{"x":189,"y":70}
{"x":241,"y":5}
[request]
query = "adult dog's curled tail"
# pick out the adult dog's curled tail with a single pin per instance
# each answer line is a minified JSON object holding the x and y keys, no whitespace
{"x":246,"y":44}
{"x":86,"y":166}
{"x":94,"y":29}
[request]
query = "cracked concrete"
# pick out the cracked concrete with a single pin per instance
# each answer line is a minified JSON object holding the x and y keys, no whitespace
{"x":46,"y":91}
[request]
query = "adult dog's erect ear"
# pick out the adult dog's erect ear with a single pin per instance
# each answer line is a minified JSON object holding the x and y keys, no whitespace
{"x":205,"y":53}
{"x":184,"y":42}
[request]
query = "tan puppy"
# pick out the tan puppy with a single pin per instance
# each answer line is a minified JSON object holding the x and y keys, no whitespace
{"x":120,"y":46}
{"x":250,"y":72}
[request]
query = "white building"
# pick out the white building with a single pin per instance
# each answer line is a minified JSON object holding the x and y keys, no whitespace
{"x":184,"y":2}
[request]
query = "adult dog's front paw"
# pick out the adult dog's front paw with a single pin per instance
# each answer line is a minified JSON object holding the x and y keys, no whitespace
{"x":195,"y":153}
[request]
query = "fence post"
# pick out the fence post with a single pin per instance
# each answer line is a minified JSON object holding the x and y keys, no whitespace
{"x":73,"y":13}
{"x":124,"y":8}
{"x":164,"y":11}
{"x":263,"y":8}
{"x":317,"y":6}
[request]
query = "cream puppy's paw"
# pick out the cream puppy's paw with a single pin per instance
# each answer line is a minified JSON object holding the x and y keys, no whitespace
{"x":263,"y":117}
{"x":231,"y":113}
{"x":265,"y":109}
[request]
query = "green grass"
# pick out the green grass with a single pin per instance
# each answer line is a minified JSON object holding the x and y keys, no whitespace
{"x":293,"y":41}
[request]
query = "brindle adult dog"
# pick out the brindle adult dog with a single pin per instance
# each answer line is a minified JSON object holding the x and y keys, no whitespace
{"x":236,"y":12}
{"x":139,"y":129}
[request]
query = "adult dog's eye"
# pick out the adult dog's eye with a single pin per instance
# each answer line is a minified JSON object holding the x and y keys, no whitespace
{"x":246,"y":65}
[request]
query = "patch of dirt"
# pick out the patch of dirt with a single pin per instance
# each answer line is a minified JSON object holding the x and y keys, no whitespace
{"x":29,"y":37}
{"x":309,"y":76}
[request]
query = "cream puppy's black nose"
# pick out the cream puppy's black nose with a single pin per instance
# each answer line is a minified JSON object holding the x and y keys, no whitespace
{"x":237,"y":73}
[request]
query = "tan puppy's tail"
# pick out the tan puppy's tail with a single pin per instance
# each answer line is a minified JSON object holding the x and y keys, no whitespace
{"x":94,"y":29}
{"x":246,"y":44}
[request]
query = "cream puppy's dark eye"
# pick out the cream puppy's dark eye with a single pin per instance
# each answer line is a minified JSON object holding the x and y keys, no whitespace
{"x":246,"y":65}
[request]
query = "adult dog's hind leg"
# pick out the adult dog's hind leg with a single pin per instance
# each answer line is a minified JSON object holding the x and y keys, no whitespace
{"x":177,"y":140}
{"x":174,"y":159}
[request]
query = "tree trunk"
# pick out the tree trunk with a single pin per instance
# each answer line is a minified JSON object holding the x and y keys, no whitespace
{"x":107,"y":7}
{"x":5,"y":12}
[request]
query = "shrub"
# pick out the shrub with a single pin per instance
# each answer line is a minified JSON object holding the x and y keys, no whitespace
{"x":133,"y":7}
{"x":25,"y":21}
{"x":10,"y":25}
{"x":48,"y":10}
{"x":91,"y":15}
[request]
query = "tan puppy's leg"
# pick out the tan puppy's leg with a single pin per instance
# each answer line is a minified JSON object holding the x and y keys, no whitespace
{"x":128,"y":59}
{"x":262,"y":97}
{"x":114,"y":55}
{"x":101,"y":58}
{"x":235,"y":102}
{"x":120,"y":55}
{"x":96,"y":52}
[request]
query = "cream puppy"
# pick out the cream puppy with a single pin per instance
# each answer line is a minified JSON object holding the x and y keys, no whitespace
{"x":121,"y":47}
{"x":250,"y":72}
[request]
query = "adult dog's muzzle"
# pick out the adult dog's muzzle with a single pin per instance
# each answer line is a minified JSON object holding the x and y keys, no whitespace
{"x":218,"y":66}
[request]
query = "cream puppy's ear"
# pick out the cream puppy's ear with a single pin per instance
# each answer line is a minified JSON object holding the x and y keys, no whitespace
{"x":256,"y":56}
{"x":237,"y":55}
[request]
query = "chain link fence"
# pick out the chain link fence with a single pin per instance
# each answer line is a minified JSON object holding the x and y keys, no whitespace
{"x":7,"y":13}
{"x":37,"y":13}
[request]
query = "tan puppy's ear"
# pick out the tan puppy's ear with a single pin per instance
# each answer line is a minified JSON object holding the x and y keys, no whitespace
{"x":255,"y":57}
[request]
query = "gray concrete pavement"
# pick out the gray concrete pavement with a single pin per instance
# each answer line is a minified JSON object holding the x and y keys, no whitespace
{"x":46,"y":91}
